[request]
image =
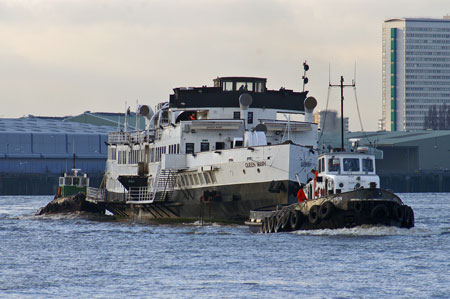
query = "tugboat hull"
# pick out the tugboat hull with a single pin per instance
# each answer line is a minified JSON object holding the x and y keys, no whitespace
{"x":345,"y":210}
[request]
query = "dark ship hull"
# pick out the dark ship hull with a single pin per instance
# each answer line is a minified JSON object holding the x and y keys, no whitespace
{"x":229,"y":203}
{"x":344,"y":210}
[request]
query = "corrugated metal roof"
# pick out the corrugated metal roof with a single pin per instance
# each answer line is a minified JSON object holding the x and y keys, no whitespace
{"x":49,"y":125}
{"x":393,"y":138}
{"x":381,"y":138}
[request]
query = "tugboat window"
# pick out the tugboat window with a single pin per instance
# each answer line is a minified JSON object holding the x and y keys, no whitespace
{"x":367,"y":165}
{"x":237,"y":115}
{"x":189,"y":148}
{"x":334,"y":164}
{"x":76,"y":181}
{"x":68,"y":181}
{"x":351,"y":164}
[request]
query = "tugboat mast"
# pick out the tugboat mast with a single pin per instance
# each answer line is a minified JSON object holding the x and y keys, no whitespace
{"x":342,"y":107}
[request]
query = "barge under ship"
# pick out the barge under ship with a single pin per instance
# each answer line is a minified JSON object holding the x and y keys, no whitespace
{"x":211,"y":153}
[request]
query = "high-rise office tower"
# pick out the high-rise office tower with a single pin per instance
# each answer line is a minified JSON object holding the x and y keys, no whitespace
{"x":416,"y":71}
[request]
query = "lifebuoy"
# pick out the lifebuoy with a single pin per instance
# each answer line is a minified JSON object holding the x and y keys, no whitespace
{"x":380,"y":211}
{"x":313,"y":215}
{"x":295,"y":219}
{"x":326,"y":210}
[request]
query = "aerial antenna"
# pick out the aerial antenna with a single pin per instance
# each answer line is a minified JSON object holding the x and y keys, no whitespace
{"x":137,"y":107}
{"x":304,"y":78}
{"x":354,"y":75}
{"x":329,"y":74}
{"x":342,"y":107}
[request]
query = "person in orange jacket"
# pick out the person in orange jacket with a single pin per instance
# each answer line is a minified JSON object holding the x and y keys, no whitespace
{"x":301,"y":194}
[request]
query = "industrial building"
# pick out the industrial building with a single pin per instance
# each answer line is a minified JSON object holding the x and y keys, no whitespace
{"x":416,"y":71}
{"x":35,"y":151}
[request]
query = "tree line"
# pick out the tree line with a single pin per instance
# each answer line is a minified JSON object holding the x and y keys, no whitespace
{"x":437,"y":118}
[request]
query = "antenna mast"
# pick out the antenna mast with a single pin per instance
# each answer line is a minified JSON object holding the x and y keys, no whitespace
{"x":342,"y":106}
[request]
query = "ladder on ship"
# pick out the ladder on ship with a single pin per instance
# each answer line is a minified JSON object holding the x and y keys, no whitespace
{"x":159,"y":191}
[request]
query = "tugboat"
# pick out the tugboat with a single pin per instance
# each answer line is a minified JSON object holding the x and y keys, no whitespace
{"x":71,"y":196}
{"x":72,"y":183}
{"x":211,"y":153}
{"x":344,"y":192}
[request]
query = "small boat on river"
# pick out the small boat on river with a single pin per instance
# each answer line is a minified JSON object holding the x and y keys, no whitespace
{"x":344,"y":193}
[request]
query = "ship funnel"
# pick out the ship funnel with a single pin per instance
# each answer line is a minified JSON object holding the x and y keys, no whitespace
{"x":146,"y":111}
{"x":245,"y":100}
{"x":310,"y":103}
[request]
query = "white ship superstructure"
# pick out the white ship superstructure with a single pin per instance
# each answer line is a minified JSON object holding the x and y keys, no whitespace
{"x":212,"y":153}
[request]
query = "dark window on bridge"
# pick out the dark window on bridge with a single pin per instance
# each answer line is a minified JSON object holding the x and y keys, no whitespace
{"x":237,"y":115}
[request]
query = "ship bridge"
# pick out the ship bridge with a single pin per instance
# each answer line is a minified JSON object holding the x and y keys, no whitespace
{"x":226,"y":93}
{"x":251,"y":84}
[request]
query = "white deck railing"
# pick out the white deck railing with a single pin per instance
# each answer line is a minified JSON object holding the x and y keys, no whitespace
{"x":95,"y":194}
{"x":128,"y":137}
{"x":139,"y":195}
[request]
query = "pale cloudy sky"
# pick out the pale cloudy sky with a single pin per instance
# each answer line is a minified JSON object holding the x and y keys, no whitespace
{"x":63,"y":57}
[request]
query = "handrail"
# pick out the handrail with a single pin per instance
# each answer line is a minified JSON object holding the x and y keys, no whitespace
{"x":95,"y":194}
{"x":128,"y":137}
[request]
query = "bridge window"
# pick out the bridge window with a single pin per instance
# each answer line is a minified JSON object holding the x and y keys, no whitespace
{"x":244,"y":86}
{"x":228,"y":86}
{"x":351,"y":164}
{"x":237,"y":115}
{"x":259,"y":87}
{"x":334,"y":164}
{"x":367,"y":165}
